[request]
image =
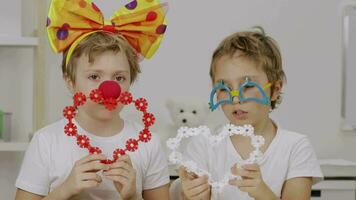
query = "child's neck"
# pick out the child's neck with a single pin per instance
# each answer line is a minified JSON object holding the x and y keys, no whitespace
{"x":243,"y":144}
{"x":266,"y":128}
{"x":103,"y":128}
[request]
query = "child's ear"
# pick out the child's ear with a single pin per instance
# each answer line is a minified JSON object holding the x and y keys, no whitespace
{"x":277,"y":89}
{"x":69,"y":84}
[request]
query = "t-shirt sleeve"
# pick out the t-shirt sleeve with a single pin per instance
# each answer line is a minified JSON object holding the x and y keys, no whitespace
{"x":303,"y":162}
{"x":157,"y":173}
{"x":34,"y":173}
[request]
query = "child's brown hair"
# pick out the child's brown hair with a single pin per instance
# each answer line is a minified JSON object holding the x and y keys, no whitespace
{"x":94,"y":45}
{"x":258,"y":47}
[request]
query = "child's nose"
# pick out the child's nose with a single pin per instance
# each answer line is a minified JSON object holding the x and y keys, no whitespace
{"x":235,"y":99}
{"x":110,"y":89}
{"x":235,"y":96}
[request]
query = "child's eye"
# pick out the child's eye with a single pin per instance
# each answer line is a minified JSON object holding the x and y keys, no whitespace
{"x":93,"y":77}
{"x":249,"y":86}
{"x":181,"y":111}
{"x":222,"y":89}
{"x":194,"y":112}
{"x":120,"y":78}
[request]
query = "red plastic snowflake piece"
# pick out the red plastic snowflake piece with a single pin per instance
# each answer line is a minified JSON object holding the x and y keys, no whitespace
{"x":104,"y":161}
{"x":148,"y":119}
{"x":79,"y":99}
{"x":125,"y":98}
{"x":132,"y":145}
{"x":110,"y":103}
{"x":83,"y":141}
{"x":145,"y":135}
{"x":107,"y":162}
{"x":117,"y":153}
{"x":94,"y":150}
{"x":96,"y":96}
{"x":69,"y":112}
{"x":70,"y":129}
{"x":141,"y":104}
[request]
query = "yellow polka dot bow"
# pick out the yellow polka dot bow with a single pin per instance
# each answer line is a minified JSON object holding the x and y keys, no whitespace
{"x":141,"y":22}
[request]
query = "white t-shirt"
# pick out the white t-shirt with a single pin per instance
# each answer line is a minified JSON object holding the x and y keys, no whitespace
{"x":289,"y":155}
{"x":51,"y":155}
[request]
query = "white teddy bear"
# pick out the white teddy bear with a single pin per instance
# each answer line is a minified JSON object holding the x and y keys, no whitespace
{"x":189,"y":112}
{"x":184,"y":111}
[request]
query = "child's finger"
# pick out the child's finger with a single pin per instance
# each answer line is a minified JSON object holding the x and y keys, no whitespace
{"x":89,"y":158}
{"x":247,"y":189}
{"x":251,"y":167}
{"x":192,"y":175}
{"x":89,"y":184}
{"x":92,"y":166}
{"x":115,"y":172}
{"x":245,"y":174}
{"x":120,"y":164}
{"x":126,"y":159}
{"x":198,"y":190}
{"x":182,"y":173}
{"x":118,"y":178}
{"x":234,"y":169}
{"x":198,"y":181}
{"x":91,"y":176}
{"x":234,"y":182}
{"x":203,"y":194}
{"x":243,"y":183}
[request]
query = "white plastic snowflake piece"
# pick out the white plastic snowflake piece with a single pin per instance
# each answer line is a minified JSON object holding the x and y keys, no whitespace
{"x":175,"y":157}
{"x":173,"y":142}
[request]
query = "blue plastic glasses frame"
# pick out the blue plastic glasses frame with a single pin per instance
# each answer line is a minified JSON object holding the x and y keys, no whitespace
{"x":265,"y":100}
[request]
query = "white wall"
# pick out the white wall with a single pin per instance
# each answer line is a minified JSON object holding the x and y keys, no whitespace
{"x":309,"y":34}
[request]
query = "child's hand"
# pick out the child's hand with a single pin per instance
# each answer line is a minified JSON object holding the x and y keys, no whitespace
{"x":124,"y":177}
{"x":84,"y":175}
{"x":194,"y":187}
{"x":252,"y":182}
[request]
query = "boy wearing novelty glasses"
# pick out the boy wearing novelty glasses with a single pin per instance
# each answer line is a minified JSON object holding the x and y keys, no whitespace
{"x":247,"y":76}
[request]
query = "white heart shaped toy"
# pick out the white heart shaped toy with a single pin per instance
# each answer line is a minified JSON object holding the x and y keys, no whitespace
{"x":176,"y":157}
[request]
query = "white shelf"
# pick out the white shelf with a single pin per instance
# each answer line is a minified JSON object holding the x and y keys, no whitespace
{"x":335,"y":185}
{"x":18,"y":41}
{"x":13,"y":146}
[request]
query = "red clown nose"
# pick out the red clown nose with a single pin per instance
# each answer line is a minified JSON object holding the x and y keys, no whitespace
{"x":110,"y":89}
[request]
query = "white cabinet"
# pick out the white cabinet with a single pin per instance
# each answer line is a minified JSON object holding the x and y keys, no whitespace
{"x":21,"y":68}
{"x":21,"y":80}
{"x":17,"y":85}
{"x":336,"y":189}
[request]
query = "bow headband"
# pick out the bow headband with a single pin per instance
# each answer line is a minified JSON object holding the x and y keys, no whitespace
{"x":140,"y":22}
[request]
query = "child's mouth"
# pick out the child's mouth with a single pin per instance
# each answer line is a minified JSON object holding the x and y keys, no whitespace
{"x":239,"y":114}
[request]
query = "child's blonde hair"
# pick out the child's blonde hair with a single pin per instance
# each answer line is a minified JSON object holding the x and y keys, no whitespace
{"x":95,"y":44}
{"x":258,"y":47}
